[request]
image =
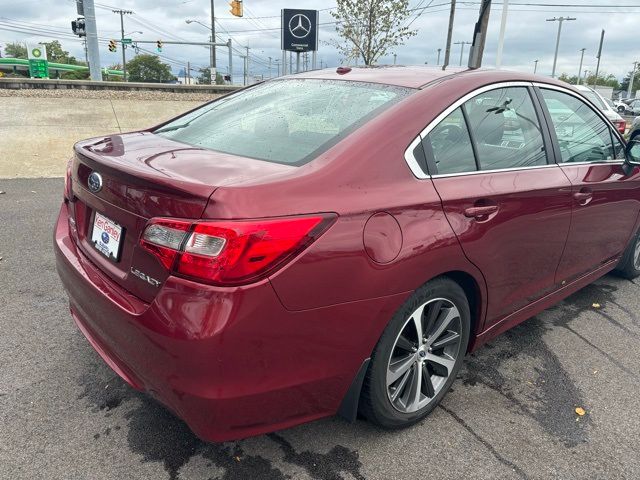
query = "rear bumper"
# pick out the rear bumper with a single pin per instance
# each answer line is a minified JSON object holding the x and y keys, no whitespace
{"x":231,"y":362}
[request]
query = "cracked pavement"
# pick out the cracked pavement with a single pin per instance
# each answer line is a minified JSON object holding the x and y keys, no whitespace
{"x":511,"y":413}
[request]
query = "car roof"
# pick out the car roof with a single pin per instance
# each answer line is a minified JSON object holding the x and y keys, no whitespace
{"x":420,"y":76}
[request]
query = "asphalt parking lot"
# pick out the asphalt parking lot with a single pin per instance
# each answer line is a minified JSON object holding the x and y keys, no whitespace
{"x":511,"y":414}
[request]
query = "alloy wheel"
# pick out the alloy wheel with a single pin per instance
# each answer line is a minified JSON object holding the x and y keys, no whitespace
{"x":424,"y":354}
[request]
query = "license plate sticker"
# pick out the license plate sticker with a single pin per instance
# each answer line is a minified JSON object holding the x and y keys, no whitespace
{"x":107,"y":237}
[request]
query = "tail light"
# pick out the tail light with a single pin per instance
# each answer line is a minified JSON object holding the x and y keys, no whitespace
{"x":621,"y":125}
{"x":67,"y":181}
{"x":231,"y":252}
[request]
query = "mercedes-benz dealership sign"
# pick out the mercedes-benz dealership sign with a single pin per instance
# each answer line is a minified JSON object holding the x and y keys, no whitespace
{"x":299,"y":30}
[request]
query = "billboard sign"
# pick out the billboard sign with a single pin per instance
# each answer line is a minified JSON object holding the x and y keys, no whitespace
{"x":299,"y":30}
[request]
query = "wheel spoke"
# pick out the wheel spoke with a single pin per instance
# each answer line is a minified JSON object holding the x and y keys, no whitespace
{"x":405,"y":344}
{"x":416,"y":389}
{"x":397,"y":368}
{"x":401,"y":385}
{"x":417,"y":321}
{"x":434,"y":313}
{"x":441,"y":364}
{"x":426,"y":381}
{"x":447,"y":316}
{"x":449,"y":339}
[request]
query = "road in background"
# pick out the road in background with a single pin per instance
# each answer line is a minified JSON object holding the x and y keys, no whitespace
{"x":510,"y":414}
{"x":39,"y":127}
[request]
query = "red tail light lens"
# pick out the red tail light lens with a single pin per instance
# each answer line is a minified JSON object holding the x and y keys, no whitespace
{"x":622,"y":126}
{"x":231,"y":252}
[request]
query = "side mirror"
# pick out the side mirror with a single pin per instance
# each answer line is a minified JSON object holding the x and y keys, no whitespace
{"x":632,"y":152}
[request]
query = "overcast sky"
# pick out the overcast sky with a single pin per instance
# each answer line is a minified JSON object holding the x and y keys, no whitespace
{"x":528,"y":35}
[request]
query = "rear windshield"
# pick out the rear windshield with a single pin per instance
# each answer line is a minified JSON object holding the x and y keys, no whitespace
{"x":595,"y":99}
{"x":283,"y":121}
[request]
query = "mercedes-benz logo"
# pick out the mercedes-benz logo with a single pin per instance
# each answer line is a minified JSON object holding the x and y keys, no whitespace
{"x":94,"y":182}
{"x":300,"y":25}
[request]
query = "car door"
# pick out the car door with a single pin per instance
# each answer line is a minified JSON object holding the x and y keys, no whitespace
{"x":605,"y":199}
{"x":507,"y":201}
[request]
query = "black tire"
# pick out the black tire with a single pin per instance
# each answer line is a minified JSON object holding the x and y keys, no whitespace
{"x":621,"y":110}
{"x":629,"y":266}
{"x":375,"y":403}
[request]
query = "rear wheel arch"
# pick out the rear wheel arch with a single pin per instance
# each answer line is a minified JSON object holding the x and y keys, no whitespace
{"x":473,"y":291}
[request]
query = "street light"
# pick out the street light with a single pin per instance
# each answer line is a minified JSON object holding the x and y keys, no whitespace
{"x":559,"y":20}
{"x":535,"y":66}
{"x":212,"y":66}
{"x":131,"y":33}
{"x":580,"y":67}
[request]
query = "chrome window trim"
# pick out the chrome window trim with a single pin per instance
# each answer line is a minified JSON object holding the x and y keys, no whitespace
{"x":590,"y":105}
{"x":496,"y":170}
{"x":408,"y":154}
{"x":417,"y":171}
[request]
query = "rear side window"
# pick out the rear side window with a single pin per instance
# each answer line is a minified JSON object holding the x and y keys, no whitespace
{"x":582,"y":135}
{"x":449,"y":145}
{"x":284,"y":121}
{"x":505,"y":128}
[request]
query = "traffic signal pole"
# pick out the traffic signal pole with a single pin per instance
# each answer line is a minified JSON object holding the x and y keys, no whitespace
{"x":93,"y":50}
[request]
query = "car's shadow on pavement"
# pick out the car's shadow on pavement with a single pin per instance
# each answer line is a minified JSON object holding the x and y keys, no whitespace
{"x":517,"y":366}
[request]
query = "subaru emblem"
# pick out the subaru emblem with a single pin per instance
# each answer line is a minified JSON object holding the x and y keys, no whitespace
{"x":94,"y":182}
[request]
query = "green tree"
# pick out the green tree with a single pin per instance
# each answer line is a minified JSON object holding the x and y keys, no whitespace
{"x":56,"y":54}
{"x":205,"y":77}
{"x":636,"y":82}
{"x":75,"y":75}
{"x":370,"y":29}
{"x":604,"y":80}
{"x":15,"y":50}
{"x":148,"y":68}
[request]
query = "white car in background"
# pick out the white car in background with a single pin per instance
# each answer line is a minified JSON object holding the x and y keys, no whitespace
{"x":606,"y":107}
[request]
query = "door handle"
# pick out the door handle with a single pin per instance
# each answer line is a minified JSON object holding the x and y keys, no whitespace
{"x":476,"y":212}
{"x":583,"y":197}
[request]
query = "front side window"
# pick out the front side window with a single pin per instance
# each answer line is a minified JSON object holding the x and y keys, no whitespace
{"x":449,"y":145}
{"x":582,"y":135}
{"x":505,"y":128}
{"x":283,"y":121}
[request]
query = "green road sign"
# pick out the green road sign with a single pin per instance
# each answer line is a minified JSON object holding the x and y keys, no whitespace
{"x":126,"y":41}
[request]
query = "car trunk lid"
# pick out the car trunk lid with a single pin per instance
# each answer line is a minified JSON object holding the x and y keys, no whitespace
{"x":145,"y":176}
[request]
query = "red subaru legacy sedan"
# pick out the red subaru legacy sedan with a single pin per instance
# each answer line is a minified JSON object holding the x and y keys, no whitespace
{"x":336,"y":241}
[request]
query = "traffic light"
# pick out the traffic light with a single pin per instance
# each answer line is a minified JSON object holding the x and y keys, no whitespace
{"x":78,"y":27}
{"x":112,"y":46}
{"x":159,"y":45}
{"x":236,"y":7}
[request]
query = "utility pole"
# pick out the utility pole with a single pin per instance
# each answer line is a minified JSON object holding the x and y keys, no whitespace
{"x":213,"y":48}
{"x":462,"y":44}
{"x":246,"y":68}
{"x":438,"y":62}
{"x":595,"y":81}
{"x":479,"y":36}
{"x":503,"y":26}
{"x":93,"y":51}
{"x":122,"y":13}
{"x":277,"y":62}
{"x":580,"y":67}
{"x":269,"y":67}
{"x":535,"y":66}
{"x":447,"y":50}
{"x":633,"y":74}
{"x":188,"y":75}
{"x":394,"y":58}
{"x":555,"y":57}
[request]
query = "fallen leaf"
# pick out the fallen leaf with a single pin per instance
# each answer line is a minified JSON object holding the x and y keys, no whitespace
{"x":236,"y":458}
{"x":596,"y":305}
{"x":580,"y":411}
